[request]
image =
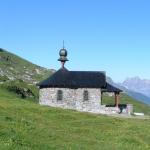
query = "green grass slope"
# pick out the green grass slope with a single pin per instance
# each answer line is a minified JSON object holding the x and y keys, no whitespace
{"x":15,"y":67}
{"x":25,"y":125}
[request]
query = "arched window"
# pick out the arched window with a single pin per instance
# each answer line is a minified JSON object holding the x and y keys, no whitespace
{"x":59,"y":95}
{"x":85,"y":95}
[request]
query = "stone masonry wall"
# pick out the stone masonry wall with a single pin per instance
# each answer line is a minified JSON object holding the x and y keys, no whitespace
{"x":72,"y":99}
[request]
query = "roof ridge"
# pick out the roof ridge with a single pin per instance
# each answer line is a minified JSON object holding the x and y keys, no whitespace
{"x":87,"y":71}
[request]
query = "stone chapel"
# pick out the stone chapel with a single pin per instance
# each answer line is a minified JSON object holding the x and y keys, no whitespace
{"x":78,"y":90}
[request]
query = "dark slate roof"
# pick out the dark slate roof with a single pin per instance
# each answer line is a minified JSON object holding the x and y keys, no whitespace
{"x":110,"y":88}
{"x":75,"y":79}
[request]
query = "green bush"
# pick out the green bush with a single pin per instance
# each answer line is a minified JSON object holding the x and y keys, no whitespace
{"x":3,"y":78}
{"x":22,"y":89}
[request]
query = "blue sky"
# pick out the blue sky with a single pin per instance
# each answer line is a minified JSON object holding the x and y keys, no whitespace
{"x":109,"y":35}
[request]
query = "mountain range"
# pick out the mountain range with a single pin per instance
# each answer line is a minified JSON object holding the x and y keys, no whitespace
{"x":137,"y":85}
{"x":13,"y":67}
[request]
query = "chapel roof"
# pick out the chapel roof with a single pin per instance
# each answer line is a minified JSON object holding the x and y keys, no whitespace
{"x":64,"y":78}
{"x":111,"y":88}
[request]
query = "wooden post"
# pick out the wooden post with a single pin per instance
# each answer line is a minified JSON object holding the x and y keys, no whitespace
{"x":117,"y":99}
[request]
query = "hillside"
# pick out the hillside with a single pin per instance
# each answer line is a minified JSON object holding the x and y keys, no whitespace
{"x":27,"y":125}
{"x":13,"y":67}
{"x":18,"y":71}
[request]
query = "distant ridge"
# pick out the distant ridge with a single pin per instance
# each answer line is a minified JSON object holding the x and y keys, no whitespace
{"x":138,"y":85}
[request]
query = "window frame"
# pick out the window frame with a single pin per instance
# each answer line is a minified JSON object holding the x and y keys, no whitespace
{"x":85,"y":95}
{"x":59,"y":95}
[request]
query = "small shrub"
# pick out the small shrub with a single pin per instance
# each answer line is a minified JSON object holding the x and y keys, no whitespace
{"x":22,"y":89}
{"x":3,"y":78}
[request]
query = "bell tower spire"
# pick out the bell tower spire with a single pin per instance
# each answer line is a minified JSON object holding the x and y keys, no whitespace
{"x":63,"y":44}
{"x":63,"y":55}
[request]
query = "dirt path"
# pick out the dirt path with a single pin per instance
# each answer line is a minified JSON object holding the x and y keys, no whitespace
{"x":129,"y":116}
